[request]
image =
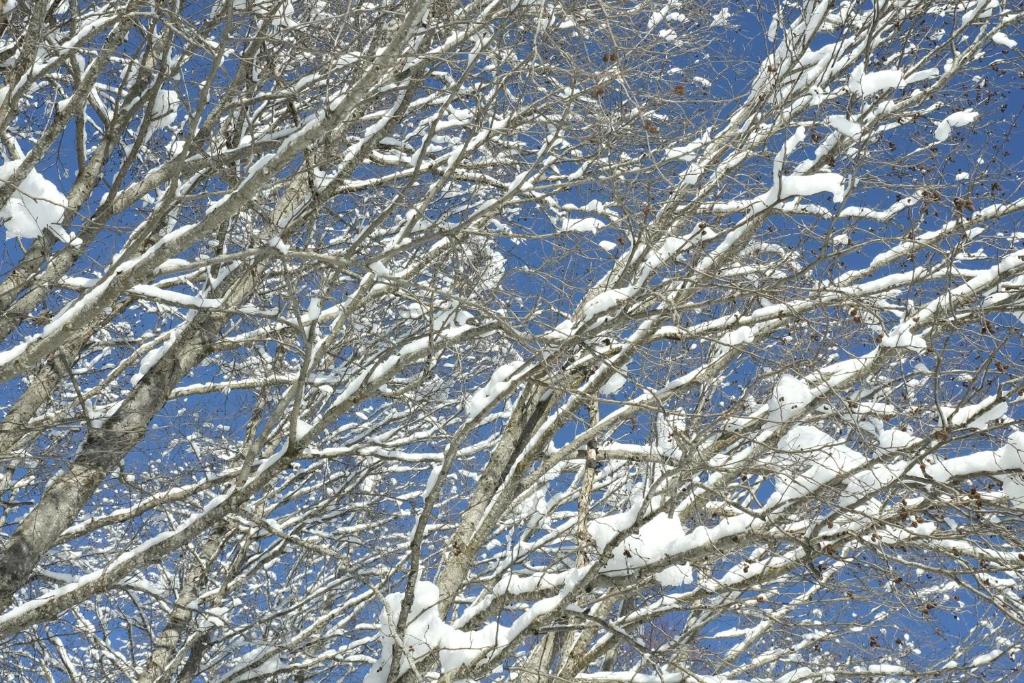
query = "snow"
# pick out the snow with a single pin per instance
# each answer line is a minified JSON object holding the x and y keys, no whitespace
{"x":591,"y":225}
{"x":427,"y":632}
{"x":165,"y":108}
{"x":498,"y":384}
{"x":534,"y":509}
{"x":153,"y":356}
{"x":830,"y":461}
{"x":664,"y":14}
{"x":903,"y":338}
{"x":607,"y":245}
{"x":390,"y":141}
{"x":987,"y":657}
{"x":1006,"y":464}
{"x":844,"y":126}
{"x":1011,"y":458}
{"x":789,"y":398}
{"x":176,"y":298}
{"x":666,"y":251}
{"x":895,"y":439}
{"x":302,"y":428}
{"x":412,"y":311}
{"x":685,"y":152}
{"x":605,"y":301}
{"x":955,"y":120}
{"x":675,"y":575}
{"x":743,"y":334}
{"x":980,"y":9}
{"x":37,"y":204}
{"x":806,"y":185}
{"x":874,"y":214}
{"x":313,"y":309}
{"x":977,"y":415}
{"x":867,"y":482}
{"x":279,"y":244}
{"x":799,"y":185}
{"x":922,"y":75}
{"x":867,"y":84}
{"x":886,"y":669}
{"x":604,"y":529}
{"x":510,"y":584}
{"x":613,"y":385}
{"x":663,"y":536}
{"x":844,"y":370}
{"x":650,"y":543}
{"x":490,"y":274}
{"x":1000,"y":38}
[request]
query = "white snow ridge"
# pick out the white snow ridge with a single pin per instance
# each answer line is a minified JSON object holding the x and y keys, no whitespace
{"x":36,"y":205}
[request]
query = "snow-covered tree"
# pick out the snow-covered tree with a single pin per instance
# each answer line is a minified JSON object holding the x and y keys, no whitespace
{"x":656,"y":340}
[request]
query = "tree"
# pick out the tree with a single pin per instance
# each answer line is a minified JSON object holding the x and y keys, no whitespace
{"x":617,"y":341}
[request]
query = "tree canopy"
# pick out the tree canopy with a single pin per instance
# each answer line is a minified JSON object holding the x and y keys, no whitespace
{"x":464,"y":340}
